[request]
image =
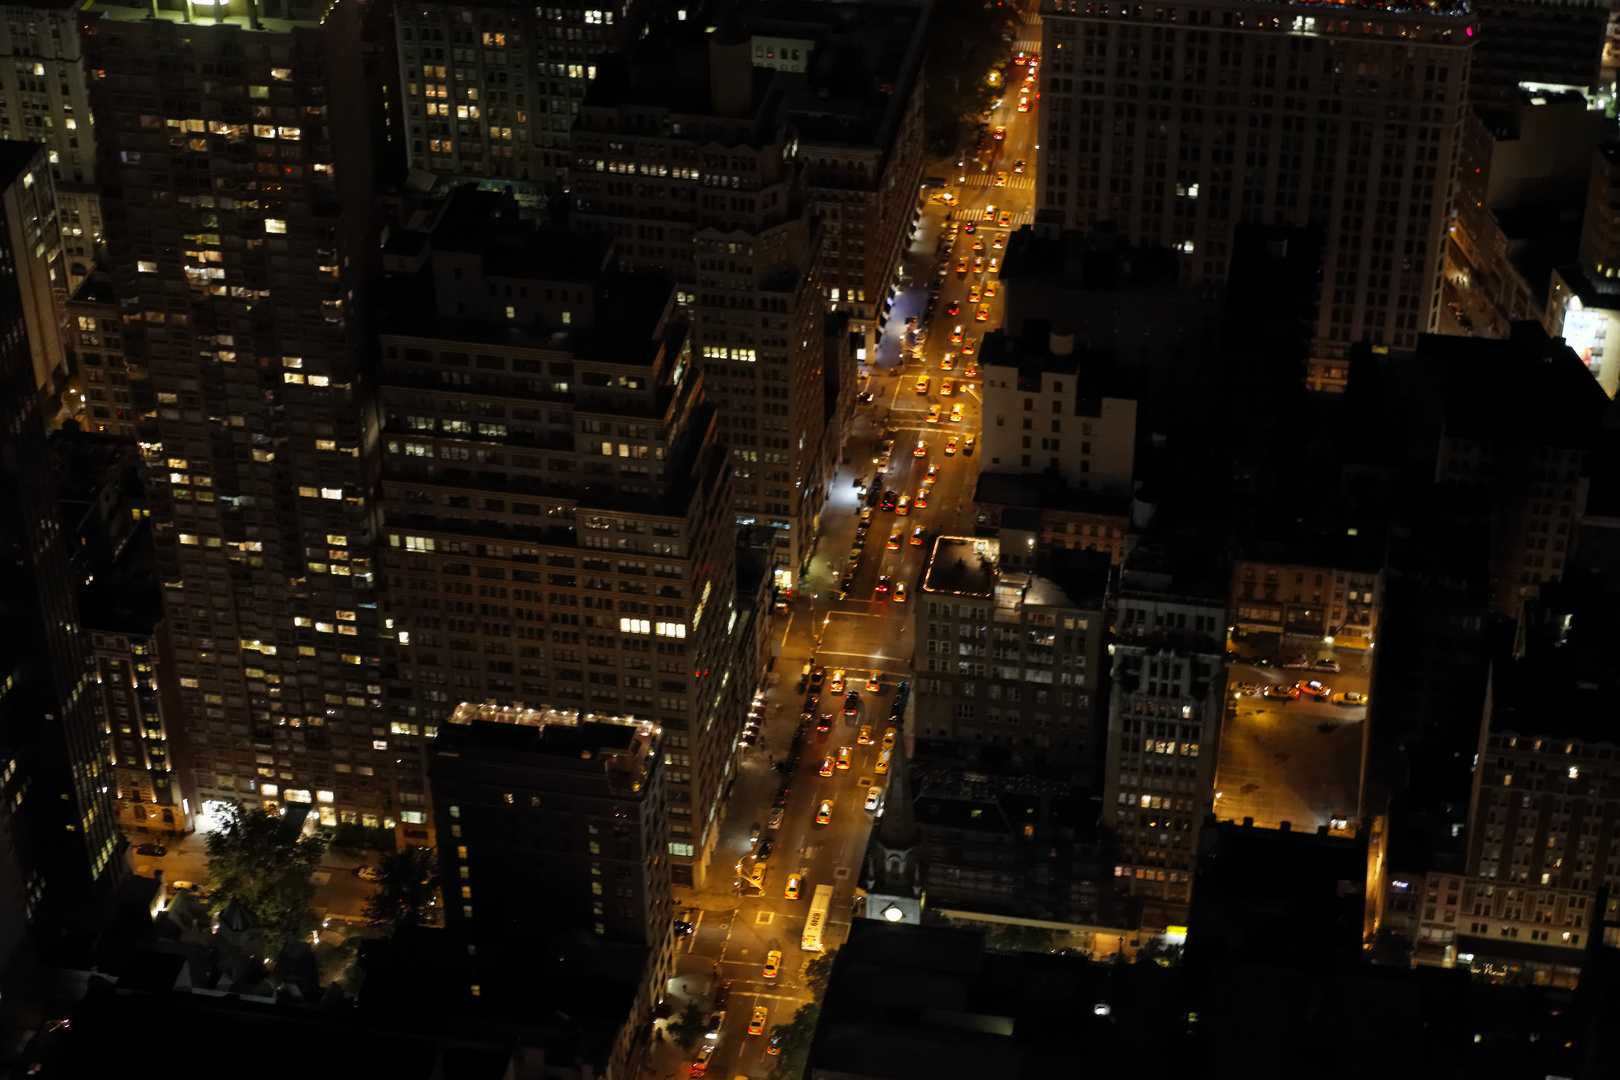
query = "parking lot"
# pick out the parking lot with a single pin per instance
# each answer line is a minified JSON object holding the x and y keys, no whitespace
{"x":1293,"y":759}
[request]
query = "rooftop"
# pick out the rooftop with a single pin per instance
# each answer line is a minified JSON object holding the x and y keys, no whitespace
{"x":925,"y":1003}
{"x":1099,"y":261}
{"x":619,"y":745}
{"x":1525,"y":390}
{"x":1044,"y":347}
{"x":1169,"y":568}
{"x":866,"y":59}
{"x":1045,"y":491}
{"x":963,"y":566}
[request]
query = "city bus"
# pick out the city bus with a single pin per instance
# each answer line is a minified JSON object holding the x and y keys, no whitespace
{"x":815,"y":923}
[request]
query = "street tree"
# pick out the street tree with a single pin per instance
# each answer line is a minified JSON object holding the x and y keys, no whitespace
{"x":405,"y":887}
{"x":817,"y":972}
{"x":688,"y":1026}
{"x":255,"y":860}
{"x":796,"y":1035}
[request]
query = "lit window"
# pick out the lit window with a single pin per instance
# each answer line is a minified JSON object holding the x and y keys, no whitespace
{"x":275,"y":225}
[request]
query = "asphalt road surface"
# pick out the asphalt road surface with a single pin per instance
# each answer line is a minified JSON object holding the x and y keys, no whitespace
{"x":864,"y":631}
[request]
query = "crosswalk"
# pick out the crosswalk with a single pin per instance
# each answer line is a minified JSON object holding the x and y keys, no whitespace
{"x":1015,"y":181}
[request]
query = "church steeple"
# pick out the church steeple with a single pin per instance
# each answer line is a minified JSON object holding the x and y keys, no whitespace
{"x":891,"y":867}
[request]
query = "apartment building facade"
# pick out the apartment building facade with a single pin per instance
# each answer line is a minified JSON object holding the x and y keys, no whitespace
{"x":682,"y":154}
{"x":1049,"y":409}
{"x":1178,"y":122}
{"x":1011,"y":659}
{"x":553,"y":843}
{"x":45,"y":98}
{"x":1164,"y":721}
{"x":491,"y":90}
{"x":557,"y":509}
{"x":236,"y":158}
{"x":856,"y":109}
{"x":1309,"y":600}
{"x":59,"y":843}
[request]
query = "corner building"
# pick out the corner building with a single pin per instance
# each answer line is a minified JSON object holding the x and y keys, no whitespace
{"x":1177,"y":122}
{"x":237,"y":171}
{"x":558,"y":525}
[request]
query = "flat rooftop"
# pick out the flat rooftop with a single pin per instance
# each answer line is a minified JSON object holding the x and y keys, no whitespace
{"x":963,"y":566}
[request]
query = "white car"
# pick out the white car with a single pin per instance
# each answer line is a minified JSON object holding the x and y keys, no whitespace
{"x":874,"y":796}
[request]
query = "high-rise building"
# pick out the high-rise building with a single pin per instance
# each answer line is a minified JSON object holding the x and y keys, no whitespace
{"x":731,"y":228}
{"x":1164,"y":721}
{"x":101,"y":497}
{"x":58,"y":825}
{"x":235,"y":150}
{"x":1178,"y":122}
{"x":45,"y":98}
{"x":856,"y":109}
{"x":1013,"y":657}
{"x":490,"y":90}
{"x":552,"y":821}
{"x":553,"y":868}
{"x":557,"y":512}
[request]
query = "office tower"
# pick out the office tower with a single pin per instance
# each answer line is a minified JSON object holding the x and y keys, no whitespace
{"x":1051,"y":409}
{"x":1164,"y":720}
{"x":490,"y":90}
{"x":1012,"y":658}
{"x":730,"y":227}
{"x":236,"y":157}
{"x":856,"y":110}
{"x":1177,"y":123}
{"x":552,"y":823}
{"x":58,"y":821}
{"x":45,"y":98}
{"x":557,"y":513}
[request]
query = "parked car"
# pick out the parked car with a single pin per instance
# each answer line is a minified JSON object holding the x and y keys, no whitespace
{"x":1327,"y":665}
{"x":157,"y":851}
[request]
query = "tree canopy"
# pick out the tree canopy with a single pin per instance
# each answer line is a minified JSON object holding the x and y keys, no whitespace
{"x":256,"y":859}
{"x":687,"y":1028}
{"x":404,"y":889}
{"x":967,"y":44}
{"x":797,"y":1034}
